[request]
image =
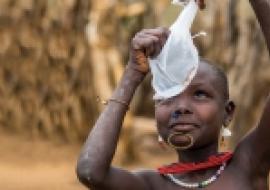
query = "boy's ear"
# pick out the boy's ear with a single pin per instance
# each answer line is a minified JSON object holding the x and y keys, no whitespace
{"x":229,"y":112}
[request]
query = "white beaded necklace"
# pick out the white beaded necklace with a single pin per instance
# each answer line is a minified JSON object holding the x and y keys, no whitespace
{"x":198,"y":184}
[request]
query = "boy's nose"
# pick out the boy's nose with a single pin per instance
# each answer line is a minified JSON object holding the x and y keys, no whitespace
{"x":181,"y":110}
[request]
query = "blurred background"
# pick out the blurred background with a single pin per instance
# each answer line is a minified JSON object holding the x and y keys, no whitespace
{"x":58,"y":56}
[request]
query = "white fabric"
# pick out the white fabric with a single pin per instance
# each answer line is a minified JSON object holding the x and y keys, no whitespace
{"x":176,"y":65}
{"x":180,"y":2}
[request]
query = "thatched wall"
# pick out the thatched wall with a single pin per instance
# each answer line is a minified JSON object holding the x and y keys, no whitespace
{"x":57,"y":56}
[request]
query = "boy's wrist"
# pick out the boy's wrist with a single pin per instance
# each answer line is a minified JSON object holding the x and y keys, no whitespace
{"x":139,"y":61}
{"x":124,"y":92}
{"x":134,"y":74}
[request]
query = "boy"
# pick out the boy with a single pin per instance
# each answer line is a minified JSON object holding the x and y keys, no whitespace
{"x":189,"y":122}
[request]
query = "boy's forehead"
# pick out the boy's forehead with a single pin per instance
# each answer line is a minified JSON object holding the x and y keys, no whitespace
{"x":210,"y":77}
{"x":205,"y":72}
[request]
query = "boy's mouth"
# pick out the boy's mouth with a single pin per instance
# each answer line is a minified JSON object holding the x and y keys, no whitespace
{"x":183,"y":127}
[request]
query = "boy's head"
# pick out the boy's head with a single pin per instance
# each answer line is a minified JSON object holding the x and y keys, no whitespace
{"x":222,"y":79}
{"x":199,"y":111}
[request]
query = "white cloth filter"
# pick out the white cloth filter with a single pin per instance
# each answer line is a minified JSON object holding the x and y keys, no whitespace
{"x":176,"y":65}
{"x":180,"y":2}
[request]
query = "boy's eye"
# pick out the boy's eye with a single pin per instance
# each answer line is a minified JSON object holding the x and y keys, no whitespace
{"x":164,"y":102}
{"x":201,"y":94}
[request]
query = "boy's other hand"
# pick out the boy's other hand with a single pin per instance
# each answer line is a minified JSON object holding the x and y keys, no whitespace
{"x":201,"y":4}
{"x":147,"y":43}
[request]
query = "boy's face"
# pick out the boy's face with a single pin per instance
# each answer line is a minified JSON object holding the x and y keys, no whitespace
{"x":201,"y":111}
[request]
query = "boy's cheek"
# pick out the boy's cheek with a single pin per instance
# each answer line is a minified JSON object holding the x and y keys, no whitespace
{"x":162,"y":118}
{"x":209,"y":113}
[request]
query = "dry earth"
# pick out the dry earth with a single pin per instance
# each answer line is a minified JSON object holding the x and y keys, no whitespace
{"x":37,"y":165}
{"x":47,"y":165}
{"x":41,"y":165}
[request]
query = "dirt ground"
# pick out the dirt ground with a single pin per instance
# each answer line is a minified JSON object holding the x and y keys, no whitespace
{"x":45,"y":165}
{"x":37,"y":164}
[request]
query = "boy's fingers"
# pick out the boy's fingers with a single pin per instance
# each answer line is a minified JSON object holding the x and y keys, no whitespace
{"x":144,"y":44}
{"x":143,"y":41}
{"x":159,"y":32}
{"x":163,"y":36}
{"x":157,"y":50}
{"x":201,"y":4}
{"x":154,"y":47}
{"x":151,"y":44}
{"x":152,"y":37}
{"x":150,"y":41}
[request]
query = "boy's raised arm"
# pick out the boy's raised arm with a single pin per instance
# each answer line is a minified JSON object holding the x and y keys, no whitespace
{"x":262,"y":11}
{"x":94,"y":165}
{"x":257,"y":143}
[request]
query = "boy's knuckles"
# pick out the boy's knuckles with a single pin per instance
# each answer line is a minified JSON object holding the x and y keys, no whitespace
{"x":137,"y":43}
{"x":144,"y":31}
{"x":163,"y":30}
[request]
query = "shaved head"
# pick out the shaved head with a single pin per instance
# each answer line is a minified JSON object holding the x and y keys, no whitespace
{"x":221,"y":77}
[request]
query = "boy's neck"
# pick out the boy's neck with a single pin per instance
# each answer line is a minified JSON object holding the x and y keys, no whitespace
{"x":198,"y":154}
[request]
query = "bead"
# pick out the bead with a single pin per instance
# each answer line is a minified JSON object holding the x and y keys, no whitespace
{"x":199,"y":184}
{"x":204,"y":183}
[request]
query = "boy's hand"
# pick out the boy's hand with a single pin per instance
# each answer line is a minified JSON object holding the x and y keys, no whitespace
{"x":201,"y":4}
{"x":146,"y":43}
